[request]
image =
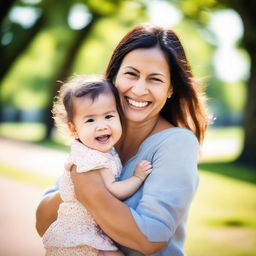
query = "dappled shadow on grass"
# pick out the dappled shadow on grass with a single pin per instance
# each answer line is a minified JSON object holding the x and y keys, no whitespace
{"x":52,"y":144}
{"x":231,"y":169}
{"x":230,"y":222}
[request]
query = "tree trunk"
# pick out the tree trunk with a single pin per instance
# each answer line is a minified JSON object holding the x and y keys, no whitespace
{"x":247,"y":11}
{"x":248,"y":154}
{"x":5,"y":6}
{"x":9,"y":56}
{"x":64,"y":72}
{"x":22,"y":43}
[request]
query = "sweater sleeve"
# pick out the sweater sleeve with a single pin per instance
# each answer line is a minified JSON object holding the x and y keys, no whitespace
{"x":169,"y":189}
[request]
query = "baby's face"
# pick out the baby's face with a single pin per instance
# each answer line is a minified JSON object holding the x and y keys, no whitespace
{"x":96,"y":123}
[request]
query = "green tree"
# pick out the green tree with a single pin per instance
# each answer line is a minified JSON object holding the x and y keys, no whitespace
{"x":196,"y":10}
{"x":54,"y":16}
{"x":4,"y":8}
{"x":98,"y":9}
{"x":19,"y":37}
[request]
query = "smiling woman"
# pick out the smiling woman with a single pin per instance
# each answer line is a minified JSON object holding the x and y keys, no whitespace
{"x":143,"y":88}
{"x":163,"y":120}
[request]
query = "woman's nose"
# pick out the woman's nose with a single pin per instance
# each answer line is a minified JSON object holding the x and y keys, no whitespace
{"x":139,"y":88}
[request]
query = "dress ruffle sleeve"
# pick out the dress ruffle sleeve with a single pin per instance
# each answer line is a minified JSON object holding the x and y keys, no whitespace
{"x":87,"y":159}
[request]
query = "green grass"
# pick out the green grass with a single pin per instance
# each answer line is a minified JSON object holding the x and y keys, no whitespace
{"x":25,"y":176}
{"x":23,"y":131}
{"x":32,"y":132}
{"x":221,"y":144}
{"x":222,"y":218}
{"x":231,"y":169}
{"x":53,"y":144}
{"x":224,"y":133}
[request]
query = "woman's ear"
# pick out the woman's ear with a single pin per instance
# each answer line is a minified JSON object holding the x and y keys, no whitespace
{"x":170,"y":92}
{"x":72,"y":129}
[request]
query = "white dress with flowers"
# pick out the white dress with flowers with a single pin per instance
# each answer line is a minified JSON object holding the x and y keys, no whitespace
{"x":75,"y":232}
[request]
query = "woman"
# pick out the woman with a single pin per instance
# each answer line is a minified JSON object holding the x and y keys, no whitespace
{"x":164,"y":118}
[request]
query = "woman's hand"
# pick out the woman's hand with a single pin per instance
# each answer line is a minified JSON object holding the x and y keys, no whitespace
{"x":46,"y":212}
{"x":85,"y":183}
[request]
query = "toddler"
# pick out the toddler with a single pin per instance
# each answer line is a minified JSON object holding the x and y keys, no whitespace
{"x":89,"y":107}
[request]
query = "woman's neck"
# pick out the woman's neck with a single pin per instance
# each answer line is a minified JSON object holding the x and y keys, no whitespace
{"x":135,"y":133}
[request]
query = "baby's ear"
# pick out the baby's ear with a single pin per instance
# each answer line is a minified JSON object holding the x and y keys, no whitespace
{"x":72,"y":129}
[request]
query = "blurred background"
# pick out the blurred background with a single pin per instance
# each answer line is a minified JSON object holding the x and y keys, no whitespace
{"x":43,"y":42}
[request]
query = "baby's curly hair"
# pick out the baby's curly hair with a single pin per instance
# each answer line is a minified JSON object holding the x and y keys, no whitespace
{"x":80,"y":86}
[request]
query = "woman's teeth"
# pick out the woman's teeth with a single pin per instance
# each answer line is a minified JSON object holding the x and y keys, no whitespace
{"x":137,"y":104}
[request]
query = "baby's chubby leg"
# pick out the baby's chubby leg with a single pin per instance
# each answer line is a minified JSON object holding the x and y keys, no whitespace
{"x":110,"y":253}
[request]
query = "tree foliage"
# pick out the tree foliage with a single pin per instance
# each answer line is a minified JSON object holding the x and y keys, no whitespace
{"x":51,"y":36}
{"x":53,"y":20}
{"x":196,"y":10}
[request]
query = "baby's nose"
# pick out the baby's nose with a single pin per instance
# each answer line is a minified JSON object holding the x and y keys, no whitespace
{"x":102,"y":127}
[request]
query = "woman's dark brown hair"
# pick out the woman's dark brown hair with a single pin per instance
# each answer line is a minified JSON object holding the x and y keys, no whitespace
{"x":186,"y":106}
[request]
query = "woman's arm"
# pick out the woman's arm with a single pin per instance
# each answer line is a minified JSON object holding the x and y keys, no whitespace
{"x":46,"y":212}
{"x":113,"y":216}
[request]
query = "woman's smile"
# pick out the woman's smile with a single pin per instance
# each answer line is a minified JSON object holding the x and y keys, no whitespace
{"x":137,"y":103}
{"x":143,"y":82}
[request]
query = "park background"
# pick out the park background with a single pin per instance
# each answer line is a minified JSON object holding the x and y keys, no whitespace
{"x":45,"y":41}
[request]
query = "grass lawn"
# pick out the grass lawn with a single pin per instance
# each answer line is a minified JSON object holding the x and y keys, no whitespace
{"x":25,"y":176}
{"x":223,"y":214}
{"x":222,"y":218}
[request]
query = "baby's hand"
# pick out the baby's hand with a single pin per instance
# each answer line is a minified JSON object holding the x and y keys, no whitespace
{"x":143,"y":169}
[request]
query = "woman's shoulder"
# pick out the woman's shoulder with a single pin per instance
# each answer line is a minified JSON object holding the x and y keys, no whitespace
{"x":168,"y":140}
{"x":170,"y":134}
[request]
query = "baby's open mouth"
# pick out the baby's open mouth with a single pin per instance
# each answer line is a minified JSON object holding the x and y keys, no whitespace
{"x":103,"y":138}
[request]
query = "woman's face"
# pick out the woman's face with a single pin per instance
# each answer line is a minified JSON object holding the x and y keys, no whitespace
{"x":143,"y":82}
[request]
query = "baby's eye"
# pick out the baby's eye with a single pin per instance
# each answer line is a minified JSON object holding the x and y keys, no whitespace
{"x":109,"y":116}
{"x":89,"y":120}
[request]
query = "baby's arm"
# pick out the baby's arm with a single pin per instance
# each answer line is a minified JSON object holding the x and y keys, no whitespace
{"x":125,"y":188}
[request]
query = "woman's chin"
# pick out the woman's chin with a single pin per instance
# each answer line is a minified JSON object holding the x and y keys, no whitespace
{"x":135,"y":117}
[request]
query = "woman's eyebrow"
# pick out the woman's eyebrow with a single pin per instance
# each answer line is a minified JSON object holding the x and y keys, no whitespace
{"x":153,"y":74}
{"x":135,"y":69}
{"x":157,"y":74}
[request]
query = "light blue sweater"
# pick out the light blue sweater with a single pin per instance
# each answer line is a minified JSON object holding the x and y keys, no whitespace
{"x":160,"y":207}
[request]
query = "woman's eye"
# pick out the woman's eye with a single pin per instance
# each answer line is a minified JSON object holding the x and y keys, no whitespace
{"x":89,"y":120}
{"x":156,"y":79}
{"x":109,"y":116}
{"x":130,"y":73}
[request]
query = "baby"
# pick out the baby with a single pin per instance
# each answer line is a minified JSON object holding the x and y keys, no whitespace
{"x":90,"y":108}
